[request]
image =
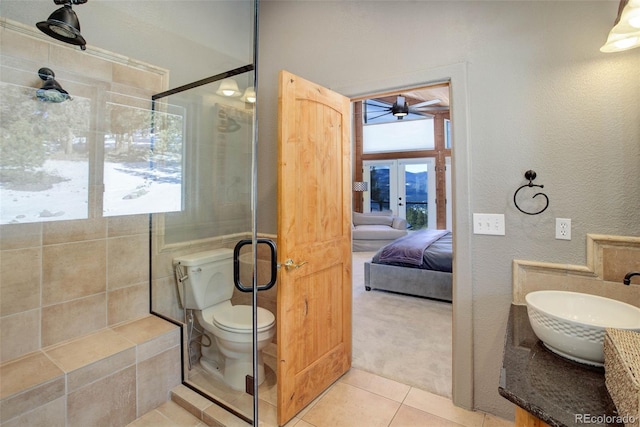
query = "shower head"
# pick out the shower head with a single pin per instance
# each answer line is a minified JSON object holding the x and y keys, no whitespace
{"x":63,"y":24}
{"x":51,"y":91}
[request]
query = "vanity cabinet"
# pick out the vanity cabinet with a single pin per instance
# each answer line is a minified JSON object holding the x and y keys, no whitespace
{"x":550,"y":390}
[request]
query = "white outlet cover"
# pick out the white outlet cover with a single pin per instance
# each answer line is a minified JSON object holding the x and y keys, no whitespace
{"x":563,"y":228}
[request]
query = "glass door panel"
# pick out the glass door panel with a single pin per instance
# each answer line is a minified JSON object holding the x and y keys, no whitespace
{"x":194,"y":264}
{"x":407,"y":187}
{"x":382,"y":179}
{"x":416,"y":192}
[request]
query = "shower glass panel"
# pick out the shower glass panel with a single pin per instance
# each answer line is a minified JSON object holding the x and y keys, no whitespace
{"x":216,"y":133}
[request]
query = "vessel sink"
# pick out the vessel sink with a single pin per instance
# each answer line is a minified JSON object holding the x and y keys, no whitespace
{"x":572,"y":324}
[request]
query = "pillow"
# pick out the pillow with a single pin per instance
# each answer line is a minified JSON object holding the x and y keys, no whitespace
{"x":364,"y":219}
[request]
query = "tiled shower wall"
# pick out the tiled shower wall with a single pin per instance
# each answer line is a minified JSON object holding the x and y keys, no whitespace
{"x":78,"y":346}
{"x":64,"y":279}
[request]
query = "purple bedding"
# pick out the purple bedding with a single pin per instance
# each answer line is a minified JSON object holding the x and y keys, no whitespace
{"x":425,"y":249}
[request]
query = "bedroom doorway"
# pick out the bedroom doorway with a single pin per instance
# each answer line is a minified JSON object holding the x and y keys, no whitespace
{"x":431,"y":343}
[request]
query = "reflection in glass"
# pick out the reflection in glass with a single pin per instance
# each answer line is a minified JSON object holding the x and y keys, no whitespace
{"x":142,"y":159}
{"x":44,"y":160}
{"x":217,"y":181}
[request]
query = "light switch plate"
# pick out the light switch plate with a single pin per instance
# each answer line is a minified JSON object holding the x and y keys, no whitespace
{"x":492,"y":224}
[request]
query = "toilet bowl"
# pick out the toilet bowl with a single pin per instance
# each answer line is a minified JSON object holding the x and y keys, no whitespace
{"x":205,"y":284}
{"x":230,"y":328}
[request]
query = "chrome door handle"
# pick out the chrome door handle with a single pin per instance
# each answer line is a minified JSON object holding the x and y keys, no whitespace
{"x":291,"y":265}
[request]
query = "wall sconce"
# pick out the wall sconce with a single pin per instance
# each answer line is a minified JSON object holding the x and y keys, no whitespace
{"x":228,"y":87}
{"x":63,"y":24}
{"x":51,"y":91}
{"x":249,"y":95}
{"x":360,"y":186}
{"x":625,"y":33}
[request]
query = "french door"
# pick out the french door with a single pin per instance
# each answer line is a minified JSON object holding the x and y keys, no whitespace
{"x":407,"y":187}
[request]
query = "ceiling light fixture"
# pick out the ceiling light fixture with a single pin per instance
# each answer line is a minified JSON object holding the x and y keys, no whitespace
{"x":249,"y":95}
{"x":63,"y":24}
{"x":625,"y":33}
{"x":51,"y":91}
{"x":228,"y":87}
{"x":400,"y":108}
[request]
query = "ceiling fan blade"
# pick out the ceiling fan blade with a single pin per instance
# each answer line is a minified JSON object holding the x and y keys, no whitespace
{"x":425,"y":103}
{"x":434,"y":108}
{"x":376,"y":117}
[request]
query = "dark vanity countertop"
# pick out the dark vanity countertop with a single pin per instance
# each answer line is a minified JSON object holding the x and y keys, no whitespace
{"x":558,"y":391}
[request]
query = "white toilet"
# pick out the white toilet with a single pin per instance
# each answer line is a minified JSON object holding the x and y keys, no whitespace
{"x":206,"y":286}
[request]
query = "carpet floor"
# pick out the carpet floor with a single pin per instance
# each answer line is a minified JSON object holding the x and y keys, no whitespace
{"x":400,"y":337}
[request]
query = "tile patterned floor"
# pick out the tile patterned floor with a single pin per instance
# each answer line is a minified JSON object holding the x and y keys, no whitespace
{"x":357,"y":399}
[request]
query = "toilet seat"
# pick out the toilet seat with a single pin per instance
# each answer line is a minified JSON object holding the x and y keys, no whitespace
{"x":238,"y":319}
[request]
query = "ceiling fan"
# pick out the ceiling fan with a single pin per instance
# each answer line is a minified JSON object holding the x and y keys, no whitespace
{"x":401,"y":108}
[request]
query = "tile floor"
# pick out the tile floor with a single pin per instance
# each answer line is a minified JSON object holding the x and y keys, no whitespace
{"x":357,"y":399}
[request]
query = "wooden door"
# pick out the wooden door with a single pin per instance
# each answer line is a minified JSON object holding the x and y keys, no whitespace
{"x":314,"y":233}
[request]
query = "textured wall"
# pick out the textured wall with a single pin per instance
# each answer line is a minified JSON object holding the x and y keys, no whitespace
{"x":540,"y":96}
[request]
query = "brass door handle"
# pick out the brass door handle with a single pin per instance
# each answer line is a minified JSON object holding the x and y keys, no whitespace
{"x":290,"y":265}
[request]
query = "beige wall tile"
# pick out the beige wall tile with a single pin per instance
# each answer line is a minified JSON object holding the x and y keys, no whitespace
{"x":128,"y":261}
{"x":137,"y":78}
{"x":94,"y":404}
{"x":619,"y":261}
{"x":18,"y":236}
{"x":20,"y":280}
{"x":128,"y":303}
{"x":53,"y":414}
{"x":190,"y":400}
{"x":22,"y":403}
{"x":73,"y":319}
{"x":629,"y":294}
{"x":74,"y":231}
{"x":73,"y":270}
{"x":165,"y":299}
{"x":27,"y":383}
{"x":152,"y":334}
{"x":19,"y":334}
{"x":73,"y":60}
{"x":27,"y":372}
{"x":178,"y":415}
{"x":102,"y":368}
{"x":128,"y":225}
{"x":156,"y":377}
{"x":88,"y":350}
{"x":18,"y":45}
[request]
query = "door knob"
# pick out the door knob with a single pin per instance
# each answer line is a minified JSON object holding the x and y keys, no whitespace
{"x":290,"y":265}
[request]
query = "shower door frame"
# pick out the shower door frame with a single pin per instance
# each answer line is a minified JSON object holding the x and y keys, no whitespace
{"x":161,"y":244}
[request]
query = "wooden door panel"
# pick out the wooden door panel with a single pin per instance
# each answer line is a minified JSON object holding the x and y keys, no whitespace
{"x":314,"y":226}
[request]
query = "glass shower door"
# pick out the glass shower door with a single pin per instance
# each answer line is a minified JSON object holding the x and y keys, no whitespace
{"x":217,"y":216}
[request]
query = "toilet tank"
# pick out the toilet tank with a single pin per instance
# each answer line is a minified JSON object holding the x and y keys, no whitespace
{"x":205,"y":278}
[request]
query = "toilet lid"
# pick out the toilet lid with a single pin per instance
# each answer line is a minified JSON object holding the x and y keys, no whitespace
{"x":237,"y":318}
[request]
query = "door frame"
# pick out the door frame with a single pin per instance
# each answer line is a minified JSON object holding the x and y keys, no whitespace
{"x":456,"y":75}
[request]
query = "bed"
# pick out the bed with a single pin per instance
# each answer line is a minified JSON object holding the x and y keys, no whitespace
{"x":418,"y":264}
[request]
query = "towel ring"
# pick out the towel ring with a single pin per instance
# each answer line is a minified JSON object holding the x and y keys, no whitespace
{"x":531,"y":175}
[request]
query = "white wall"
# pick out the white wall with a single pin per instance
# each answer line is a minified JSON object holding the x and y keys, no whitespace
{"x":539,"y":96}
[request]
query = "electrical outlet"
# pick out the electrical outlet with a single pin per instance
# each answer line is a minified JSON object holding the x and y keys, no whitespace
{"x":563,"y":228}
{"x":488,"y":224}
